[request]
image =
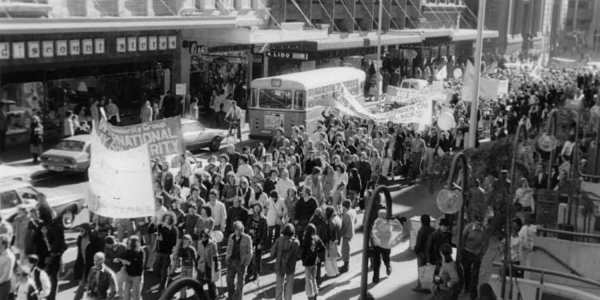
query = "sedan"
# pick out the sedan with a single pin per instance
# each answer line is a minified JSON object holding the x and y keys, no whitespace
{"x":72,"y":154}
{"x":197,"y":136}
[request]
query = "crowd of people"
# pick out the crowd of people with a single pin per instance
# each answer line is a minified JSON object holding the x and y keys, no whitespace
{"x":296,"y":198}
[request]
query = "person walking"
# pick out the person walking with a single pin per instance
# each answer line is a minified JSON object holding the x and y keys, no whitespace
{"x":166,"y":236}
{"x":39,"y":277}
{"x":313,"y":250}
{"x":112,"y":112}
{"x":7,"y":264}
{"x":68,"y":125}
{"x":113,"y":252}
{"x":286,"y":251}
{"x":473,"y":250}
{"x":276,"y":210}
{"x":133,"y":260}
{"x":447,"y":281}
{"x":36,"y":138}
{"x":332,"y":254}
{"x":208,"y":263}
{"x":146,"y":112}
{"x":24,"y":287}
{"x":421,"y":249}
{"x":238,"y":256}
{"x":257,"y":229}
{"x":381,"y":235}
{"x":347,"y":232}
{"x":101,"y":282}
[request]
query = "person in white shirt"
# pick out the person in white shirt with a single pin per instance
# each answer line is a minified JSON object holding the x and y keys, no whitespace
{"x":68,"y":125}
{"x":234,"y":117}
{"x":284,"y":183}
{"x":146,"y":112}
{"x":7,"y":264}
{"x":244,"y":169}
{"x":276,"y":210}
{"x":219,"y":212}
{"x":526,"y":235}
{"x":112,"y":112}
{"x":38,"y":276}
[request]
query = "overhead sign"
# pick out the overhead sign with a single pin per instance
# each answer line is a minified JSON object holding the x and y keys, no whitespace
{"x":162,"y":136}
{"x":112,"y":174}
{"x":419,"y":112}
{"x":288,"y":55}
{"x":180,"y":89}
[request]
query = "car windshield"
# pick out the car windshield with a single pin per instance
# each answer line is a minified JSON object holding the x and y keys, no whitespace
{"x":70,"y":145}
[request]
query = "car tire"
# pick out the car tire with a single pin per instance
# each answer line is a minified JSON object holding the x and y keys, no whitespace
{"x":215,"y":144}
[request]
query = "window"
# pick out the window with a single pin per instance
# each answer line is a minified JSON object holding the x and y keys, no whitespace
{"x":254,"y":98}
{"x":9,"y":199}
{"x":299,"y":100}
{"x":69,"y":145}
{"x":278,"y":99}
{"x":28,"y":193}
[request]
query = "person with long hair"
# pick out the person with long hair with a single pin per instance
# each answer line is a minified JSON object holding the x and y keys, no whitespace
{"x":286,"y":251}
{"x":313,"y":250}
{"x":36,"y":138}
{"x":333,"y":229}
{"x":447,"y":287}
{"x":134,"y":268}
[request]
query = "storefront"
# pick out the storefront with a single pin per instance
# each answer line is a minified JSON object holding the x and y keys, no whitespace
{"x":50,"y":74}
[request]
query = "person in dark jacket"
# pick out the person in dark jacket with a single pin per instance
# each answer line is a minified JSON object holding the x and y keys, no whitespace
{"x":236,"y":213}
{"x":134,"y":260}
{"x":89,"y":242}
{"x":257,"y":229}
{"x":286,"y":251}
{"x":311,"y":162}
{"x":101,"y":281}
{"x":364,"y":172}
{"x":439,"y":237}
{"x":354,"y":185}
{"x":167,"y":238}
{"x":421,"y":246}
{"x":319,"y":221}
{"x":53,"y":237}
{"x":313,"y":250}
{"x":305,"y":208}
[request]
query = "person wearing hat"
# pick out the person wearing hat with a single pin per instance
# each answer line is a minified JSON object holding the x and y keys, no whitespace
{"x":39,"y":277}
{"x":439,"y":237}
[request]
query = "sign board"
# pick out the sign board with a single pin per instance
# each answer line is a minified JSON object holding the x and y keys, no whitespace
{"x":420,"y":112}
{"x":288,"y":55}
{"x":180,"y":89}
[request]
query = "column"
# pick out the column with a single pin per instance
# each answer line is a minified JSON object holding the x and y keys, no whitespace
{"x":181,"y":67}
{"x":265,"y":65}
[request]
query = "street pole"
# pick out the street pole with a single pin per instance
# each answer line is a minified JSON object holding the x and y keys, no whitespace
{"x":478,"y":53}
{"x":379,"y":62}
{"x":509,"y":22}
{"x":575,"y":13}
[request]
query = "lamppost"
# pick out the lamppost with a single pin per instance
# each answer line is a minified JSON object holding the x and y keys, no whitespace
{"x":368,"y":219}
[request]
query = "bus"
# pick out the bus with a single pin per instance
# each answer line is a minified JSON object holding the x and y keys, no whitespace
{"x":299,"y":98}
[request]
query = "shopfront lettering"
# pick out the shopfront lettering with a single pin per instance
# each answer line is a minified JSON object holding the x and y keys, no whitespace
{"x":18,"y":50}
{"x":4,"y":50}
{"x":88,"y":46}
{"x":142,"y":43}
{"x":288,"y":55}
{"x":61,"y":48}
{"x":152,"y":43}
{"x":162,"y":43}
{"x":99,"y":46}
{"x":75,"y":47}
{"x":48,"y":48}
{"x":131,"y":44}
{"x":193,"y":47}
{"x":172,"y":42}
{"x":33,"y":49}
{"x":121,"y":45}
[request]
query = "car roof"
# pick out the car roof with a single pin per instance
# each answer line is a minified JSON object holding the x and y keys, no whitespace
{"x":80,"y":137}
{"x":11,"y":184}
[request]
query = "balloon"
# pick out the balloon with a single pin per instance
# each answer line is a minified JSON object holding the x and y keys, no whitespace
{"x":449,"y":201}
{"x":446,"y":121}
{"x":217,"y":235}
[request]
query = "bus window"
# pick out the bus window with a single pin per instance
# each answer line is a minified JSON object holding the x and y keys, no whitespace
{"x":299,"y":100}
{"x":254,"y":98}
{"x":278,"y":99}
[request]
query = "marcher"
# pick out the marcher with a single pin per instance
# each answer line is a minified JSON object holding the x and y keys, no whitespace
{"x":101,"y":282}
{"x":208,"y":263}
{"x":166,"y":236}
{"x":381,"y":236}
{"x":134,"y":260}
{"x":24,"y":286}
{"x":257,"y":229}
{"x":447,"y":281}
{"x":286,"y":251}
{"x":239,"y":254}
{"x":421,"y":248}
{"x":114,"y":251}
{"x":39,"y":277}
{"x":313,"y":250}
{"x":7,"y":264}
{"x":36,"y":138}
{"x":347,"y":232}
{"x":474,"y":249}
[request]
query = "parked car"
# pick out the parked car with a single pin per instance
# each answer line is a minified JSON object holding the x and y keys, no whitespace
{"x":197,"y":136}
{"x":16,"y":193}
{"x":71,"y":154}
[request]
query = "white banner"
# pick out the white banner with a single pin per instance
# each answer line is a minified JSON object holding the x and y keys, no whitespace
{"x":120,"y":182}
{"x":420,"y":113}
{"x":488,"y":87}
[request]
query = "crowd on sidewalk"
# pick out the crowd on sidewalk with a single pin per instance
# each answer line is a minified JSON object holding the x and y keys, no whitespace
{"x":295,"y":199}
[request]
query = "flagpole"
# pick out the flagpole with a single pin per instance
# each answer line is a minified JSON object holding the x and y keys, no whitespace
{"x":475,"y":100}
{"x":379,"y":63}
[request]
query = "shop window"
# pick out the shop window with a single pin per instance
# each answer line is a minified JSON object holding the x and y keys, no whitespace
{"x":299,"y":100}
{"x":278,"y":99}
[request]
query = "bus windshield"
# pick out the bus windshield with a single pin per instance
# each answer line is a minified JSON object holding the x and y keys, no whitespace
{"x":278,"y":99}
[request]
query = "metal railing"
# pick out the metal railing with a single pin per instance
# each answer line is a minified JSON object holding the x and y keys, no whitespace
{"x":545,"y":272}
{"x":577,"y":236}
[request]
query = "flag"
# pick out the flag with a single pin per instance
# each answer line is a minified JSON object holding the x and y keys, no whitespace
{"x":468,"y":82}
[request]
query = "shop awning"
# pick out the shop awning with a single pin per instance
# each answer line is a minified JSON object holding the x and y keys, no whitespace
{"x":251,"y":36}
{"x":348,"y":41}
{"x":471,"y":34}
{"x":76,"y":25}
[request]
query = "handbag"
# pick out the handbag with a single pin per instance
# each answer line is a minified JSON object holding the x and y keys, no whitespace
{"x":426,"y":274}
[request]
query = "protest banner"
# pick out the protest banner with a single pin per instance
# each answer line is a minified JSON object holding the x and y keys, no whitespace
{"x":112,"y":174}
{"x":164,"y":137}
{"x":419,"y":112}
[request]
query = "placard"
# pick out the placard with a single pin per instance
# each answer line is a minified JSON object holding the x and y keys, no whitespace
{"x":18,"y":50}
{"x":173,"y":42}
{"x":33,"y":49}
{"x":131,"y":44}
{"x":121,"y":45}
{"x":48,"y":48}
{"x":61,"y":48}
{"x":142,"y":43}
{"x":152,"y":43}
{"x":87,"y":46}
{"x":99,"y":46}
{"x":4,"y":50}
{"x":74,"y":47}
{"x":162,"y":43}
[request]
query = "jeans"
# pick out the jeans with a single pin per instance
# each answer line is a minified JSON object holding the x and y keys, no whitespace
{"x":120,"y":277}
{"x":163,"y":261}
{"x":255,"y":264}
{"x":470,"y":263}
{"x":52,"y":268}
{"x":272,"y":235}
{"x":133,"y":287}
{"x":5,"y":289}
{"x":235,"y":290}
{"x":346,"y":250}
{"x":212,"y":287}
{"x":284,"y":286}
{"x":310,"y":281}
{"x":380,"y":254}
